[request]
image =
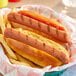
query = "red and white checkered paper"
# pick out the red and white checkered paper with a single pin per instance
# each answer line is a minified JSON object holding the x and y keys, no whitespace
{"x":8,"y":69}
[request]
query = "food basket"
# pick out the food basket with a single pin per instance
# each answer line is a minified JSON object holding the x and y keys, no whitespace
{"x":8,"y":69}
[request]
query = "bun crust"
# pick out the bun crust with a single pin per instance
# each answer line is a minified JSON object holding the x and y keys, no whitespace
{"x":37,"y":56}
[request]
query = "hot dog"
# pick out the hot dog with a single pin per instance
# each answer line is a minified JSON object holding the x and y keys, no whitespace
{"x":38,"y":42}
{"x":40,"y":23}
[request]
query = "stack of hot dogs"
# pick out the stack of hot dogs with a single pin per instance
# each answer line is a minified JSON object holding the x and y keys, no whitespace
{"x":38,"y":38}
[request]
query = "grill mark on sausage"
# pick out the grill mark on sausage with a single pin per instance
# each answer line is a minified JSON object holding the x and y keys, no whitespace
{"x":44,"y":45}
{"x":53,"y":50}
{"x":39,"y":25}
{"x":48,"y":28}
{"x":22,"y":18}
{"x":30,"y":21}
{"x":26,"y":37}
{"x":57,"y":32}
{"x":14,"y":17}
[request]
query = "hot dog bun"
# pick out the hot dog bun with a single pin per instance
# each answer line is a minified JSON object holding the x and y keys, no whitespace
{"x":39,"y":42}
{"x":40,"y":23}
{"x":37,"y":56}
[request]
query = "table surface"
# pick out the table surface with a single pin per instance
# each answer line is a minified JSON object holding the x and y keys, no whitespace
{"x":54,"y":4}
{"x":49,"y":3}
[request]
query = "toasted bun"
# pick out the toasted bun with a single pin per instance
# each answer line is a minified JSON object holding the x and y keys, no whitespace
{"x":37,"y":56}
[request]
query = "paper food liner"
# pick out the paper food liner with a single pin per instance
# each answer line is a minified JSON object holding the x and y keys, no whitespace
{"x":8,"y":69}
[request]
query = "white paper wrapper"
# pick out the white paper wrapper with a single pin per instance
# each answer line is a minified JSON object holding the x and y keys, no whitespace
{"x":8,"y":69}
